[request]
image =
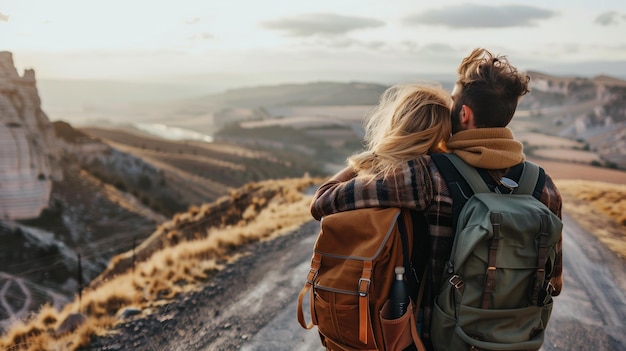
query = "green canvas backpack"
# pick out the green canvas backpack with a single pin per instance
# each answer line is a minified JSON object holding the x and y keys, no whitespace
{"x":495,"y":292}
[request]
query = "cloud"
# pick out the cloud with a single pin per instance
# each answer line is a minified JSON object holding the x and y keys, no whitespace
{"x":480,"y":16}
{"x":321,"y":23}
{"x":3,"y":17}
{"x":610,"y":18}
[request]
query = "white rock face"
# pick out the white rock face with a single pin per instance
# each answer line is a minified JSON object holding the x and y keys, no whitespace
{"x":28,"y":145}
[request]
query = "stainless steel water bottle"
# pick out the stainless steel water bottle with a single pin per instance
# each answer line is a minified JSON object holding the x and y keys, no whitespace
{"x":399,"y":297}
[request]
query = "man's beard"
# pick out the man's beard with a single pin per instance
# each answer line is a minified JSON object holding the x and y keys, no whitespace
{"x":455,"y":117}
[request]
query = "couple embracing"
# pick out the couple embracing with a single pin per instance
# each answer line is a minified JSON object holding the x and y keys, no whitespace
{"x":413,"y":124}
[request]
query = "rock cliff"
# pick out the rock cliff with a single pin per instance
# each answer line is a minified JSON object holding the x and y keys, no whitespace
{"x":28,"y":145}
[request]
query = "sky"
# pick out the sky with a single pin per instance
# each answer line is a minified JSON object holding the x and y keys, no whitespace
{"x":315,"y":40}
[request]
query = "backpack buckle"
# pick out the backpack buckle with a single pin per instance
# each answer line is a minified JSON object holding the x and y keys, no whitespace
{"x":312,"y":275}
{"x":364,"y":286}
{"x":456,"y":281}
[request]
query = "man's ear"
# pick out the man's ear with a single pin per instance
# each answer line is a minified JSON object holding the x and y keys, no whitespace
{"x":467,"y":117}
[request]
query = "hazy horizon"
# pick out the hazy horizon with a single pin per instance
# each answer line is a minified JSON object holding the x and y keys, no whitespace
{"x":89,"y":100}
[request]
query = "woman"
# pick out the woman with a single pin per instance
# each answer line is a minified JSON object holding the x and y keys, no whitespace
{"x":410,"y":120}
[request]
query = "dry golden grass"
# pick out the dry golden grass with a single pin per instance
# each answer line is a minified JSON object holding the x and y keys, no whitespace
{"x":254,"y":212}
{"x":598,"y":207}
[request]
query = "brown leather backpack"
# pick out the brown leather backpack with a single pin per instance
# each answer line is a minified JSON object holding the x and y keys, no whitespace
{"x":351,"y":274}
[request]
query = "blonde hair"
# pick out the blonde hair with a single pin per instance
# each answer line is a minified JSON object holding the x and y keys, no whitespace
{"x":410,"y":120}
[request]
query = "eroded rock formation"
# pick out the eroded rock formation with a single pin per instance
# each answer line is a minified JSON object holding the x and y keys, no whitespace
{"x":28,"y":145}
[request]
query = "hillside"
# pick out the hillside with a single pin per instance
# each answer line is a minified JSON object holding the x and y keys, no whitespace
{"x":117,"y":186}
{"x":189,"y":172}
{"x":588,"y":113}
{"x":180,"y":254}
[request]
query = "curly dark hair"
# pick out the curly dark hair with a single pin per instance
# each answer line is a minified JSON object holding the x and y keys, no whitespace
{"x":491,"y":87}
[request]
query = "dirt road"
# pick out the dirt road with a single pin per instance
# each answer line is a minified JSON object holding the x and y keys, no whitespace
{"x":251,"y":305}
{"x":590,"y":314}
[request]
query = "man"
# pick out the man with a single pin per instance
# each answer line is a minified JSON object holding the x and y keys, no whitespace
{"x":484,"y":100}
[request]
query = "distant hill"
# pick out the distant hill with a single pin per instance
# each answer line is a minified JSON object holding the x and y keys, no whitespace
{"x":93,"y":102}
{"x":588,"y":110}
{"x":308,"y":94}
{"x":591,"y":111}
{"x":319,"y":93}
{"x":586,"y":69}
{"x":210,"y":112}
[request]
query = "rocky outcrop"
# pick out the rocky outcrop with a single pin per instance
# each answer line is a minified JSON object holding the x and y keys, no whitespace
{"x":28,"y":145}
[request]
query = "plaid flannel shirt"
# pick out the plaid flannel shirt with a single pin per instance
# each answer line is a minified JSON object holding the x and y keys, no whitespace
{"x":418,"y":185}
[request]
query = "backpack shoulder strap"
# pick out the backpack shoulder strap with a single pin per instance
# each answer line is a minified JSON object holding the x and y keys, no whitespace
{"x":414,"y":263}
{"x":459,"y":190}
{"x":532,"y":184}
{"x":470,"y":174}
{"x":406,"y":259}
{"x":528,"y":179}
{"x":446,"y":168}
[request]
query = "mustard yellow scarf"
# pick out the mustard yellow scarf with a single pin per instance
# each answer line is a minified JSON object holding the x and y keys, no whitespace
{"x":489,"y":148}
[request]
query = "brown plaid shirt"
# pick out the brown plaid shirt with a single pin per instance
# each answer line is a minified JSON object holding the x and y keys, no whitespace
{"x":417,"y":185}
